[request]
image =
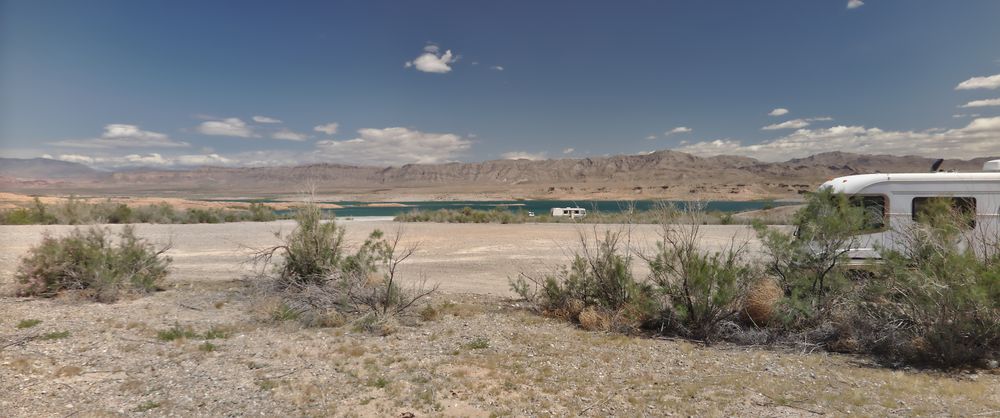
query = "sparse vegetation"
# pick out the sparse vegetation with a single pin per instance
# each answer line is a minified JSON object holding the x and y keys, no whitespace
{"x":318,"y":282}
{"x":92,"y":262}
{"x":933,"y":301}
{"x":57,"y":335}
{"x":75,"y":211}
{"x":28,"y":323}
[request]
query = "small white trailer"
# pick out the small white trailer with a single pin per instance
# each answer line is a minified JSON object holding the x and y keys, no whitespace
{"x":571,"y":212}
{"x":893,"y":202}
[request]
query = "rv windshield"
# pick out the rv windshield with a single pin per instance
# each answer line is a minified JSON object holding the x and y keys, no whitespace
{"x":874,"y":209}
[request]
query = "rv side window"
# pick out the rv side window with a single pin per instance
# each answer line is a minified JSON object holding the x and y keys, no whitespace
{"x":874,"y":211}
{"x":924,"y":208}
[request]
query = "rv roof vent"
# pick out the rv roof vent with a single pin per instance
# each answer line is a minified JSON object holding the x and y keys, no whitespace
{"x":992,"y":165}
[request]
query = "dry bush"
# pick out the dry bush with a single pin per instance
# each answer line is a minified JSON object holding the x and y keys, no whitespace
{"x":592,"y":319}
{"x":92,"y":262}
{"x":761,"y":301}
{"x":320,"y":284}
{"x":599,"y":277}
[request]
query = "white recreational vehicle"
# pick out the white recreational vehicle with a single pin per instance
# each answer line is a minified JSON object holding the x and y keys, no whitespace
{"x":892,"y":202}
{"x":571,"y":212}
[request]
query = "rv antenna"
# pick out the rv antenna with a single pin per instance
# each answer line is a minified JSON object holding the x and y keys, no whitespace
{"x":936,"y":165}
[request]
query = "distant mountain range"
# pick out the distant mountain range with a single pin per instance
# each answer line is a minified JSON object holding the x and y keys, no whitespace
{"x":662,"y":174}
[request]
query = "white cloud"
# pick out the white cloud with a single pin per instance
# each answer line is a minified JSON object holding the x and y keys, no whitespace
{"x":982,"y":103}
{"x":520,"y":155}
{"x":980,"y":138}
{"x":795,"y":123}
{"x":854,"y":4}
{"x":327,"y":128}
{"x":991,"y":82}
{"x":117,"y":135}
{"x":778,"y":112}
{"x":789,"y":124}
{"x":265,"y":119}
{"x":392,"y":146}
{"x":227,"y":127}
{"x":497,"y":67}
{"x":289,"y":135}
{"x":568,"y":151}
{"x":964,"y":115}
{"x":431,"y":62}
{"x":146,"y":160}
{"x":678,"y":130}
{"x":651,"y":137}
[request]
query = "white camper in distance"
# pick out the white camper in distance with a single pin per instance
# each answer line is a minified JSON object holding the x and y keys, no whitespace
{"x":571,"y":212}
{"x":893,"y":202}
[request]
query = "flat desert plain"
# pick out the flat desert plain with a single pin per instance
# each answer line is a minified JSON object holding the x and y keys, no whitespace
{"x":485,"y":355}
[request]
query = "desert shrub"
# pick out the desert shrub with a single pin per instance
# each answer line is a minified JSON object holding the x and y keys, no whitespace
{"x":159,"y":213}
{"x":91,"y":260}
{"x":600,"y":277}
{"x":807,"y":263}
{"x":936,"y":299}
{"x":317,"y":279}
{"x":260,"y":212}
{"x":36,"y":214}
{"x":702,"y":288}
{"x":312,"y":252}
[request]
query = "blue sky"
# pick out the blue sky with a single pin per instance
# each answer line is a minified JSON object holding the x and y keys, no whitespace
{"x":183,"y":83}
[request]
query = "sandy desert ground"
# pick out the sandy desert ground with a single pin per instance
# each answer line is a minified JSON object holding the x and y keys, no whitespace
{"x":484,"y":356}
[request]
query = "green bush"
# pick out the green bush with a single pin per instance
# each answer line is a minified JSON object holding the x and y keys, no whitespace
{"x":601,"y":277}
{"x":703,"y":288}
{"x":807,"y":263}
{"x":319,"y":282}
{"x":90,"y":260}
{"x":935,"y":300}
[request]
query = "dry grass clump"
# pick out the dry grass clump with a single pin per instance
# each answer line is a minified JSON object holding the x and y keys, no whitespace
{"x":592,"y":319}
{"x":761,"y":301}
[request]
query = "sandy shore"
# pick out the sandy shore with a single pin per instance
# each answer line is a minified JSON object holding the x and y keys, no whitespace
{"x":467,"y":258}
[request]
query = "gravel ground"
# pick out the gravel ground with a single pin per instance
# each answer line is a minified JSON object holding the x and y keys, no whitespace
{"x":483,"y":356}
{"x":465,"y":258}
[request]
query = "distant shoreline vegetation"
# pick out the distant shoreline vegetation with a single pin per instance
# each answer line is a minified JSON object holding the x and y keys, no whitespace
{"x":77,"y":211}
{"x":518,"y":216}
{"x":74,"y":211}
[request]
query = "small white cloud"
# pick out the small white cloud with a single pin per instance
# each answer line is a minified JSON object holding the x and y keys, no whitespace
{"x":795,"y":123}
{"x":119,"y":135}
{"x":227,"y":127}
{"x":651,"y":137}
{"x":389,"y":146}
{"x":520,"y":155}
{"x":965,"y":115}
{"x":678,"y":130}
{"x":778,"y":112}
{"x":327,"y":128}
{"x":982,"y":103}
{"x":265,"y":119}
{"x":289,"y":135}
{"x":431,"y":62}
{"x":432,"y":48}
{"x":497,"y":67}
{"x":568,"y":151}
{"x":854,"y":4}
{"x":991,"y":82}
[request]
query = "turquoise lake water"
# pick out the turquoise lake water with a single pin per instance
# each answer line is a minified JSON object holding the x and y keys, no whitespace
{"x":356,"y":209}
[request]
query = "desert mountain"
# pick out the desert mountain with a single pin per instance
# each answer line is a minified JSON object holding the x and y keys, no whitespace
{"x":662,"y":174}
